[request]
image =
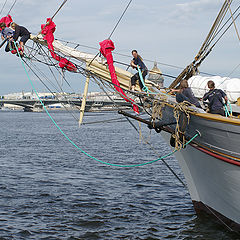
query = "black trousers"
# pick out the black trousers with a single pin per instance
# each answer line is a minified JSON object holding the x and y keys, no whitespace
{"x":136,"y":78}
{"x":24,"y":38}
{"x":218,"y":111}
{"x":9,"y":46}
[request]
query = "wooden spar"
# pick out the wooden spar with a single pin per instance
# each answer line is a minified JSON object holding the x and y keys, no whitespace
{"x":3,"y":42}
{"x":149,"y":123}
{"x":54,"y":15}
{"x":179,"y":78}
{"x":82,"y":110}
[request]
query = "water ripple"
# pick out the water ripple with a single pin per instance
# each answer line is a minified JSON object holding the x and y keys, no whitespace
{"x":48,"y":190}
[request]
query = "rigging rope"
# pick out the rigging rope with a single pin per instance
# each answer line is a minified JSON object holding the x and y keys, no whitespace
{"x":128,"y":56}
{"x":50,"y":60}
{"x":54,"y":15}
{"x":206,"y":48}
{"x":230,"y":74}
{"x":229,"y":6}
{"x":120,"y":54}
{"x":44,"y":76}
{"x":224,"y":24}
{"x":120,"y":19}
{"x":12,"y":7}
{"x":54,"y":94}
{"x":206,"y":53}
{"x":224,"y":32}
{"x":70,"y":102}
{"x":3,"y":7}
{"x":114,"y":29}
{"x":214,"y":28}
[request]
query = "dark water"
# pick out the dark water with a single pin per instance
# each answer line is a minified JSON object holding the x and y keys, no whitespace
{"x":49,"y":190}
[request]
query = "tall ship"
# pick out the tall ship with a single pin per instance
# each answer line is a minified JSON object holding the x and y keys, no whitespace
{"x":206,"y":145}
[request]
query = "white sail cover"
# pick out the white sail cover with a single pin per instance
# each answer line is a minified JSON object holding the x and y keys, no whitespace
{"x":231,"y":86}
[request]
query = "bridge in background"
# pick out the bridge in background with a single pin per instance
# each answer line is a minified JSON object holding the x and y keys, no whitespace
{"x":30,"y":104}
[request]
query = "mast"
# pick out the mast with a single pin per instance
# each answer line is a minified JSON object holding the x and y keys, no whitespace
{"x":84,"y":100}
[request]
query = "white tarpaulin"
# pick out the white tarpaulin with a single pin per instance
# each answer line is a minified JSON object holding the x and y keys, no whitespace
{"x":231,"y":86}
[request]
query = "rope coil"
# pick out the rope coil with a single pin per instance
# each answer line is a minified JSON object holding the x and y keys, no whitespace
{"x":182,"y":115}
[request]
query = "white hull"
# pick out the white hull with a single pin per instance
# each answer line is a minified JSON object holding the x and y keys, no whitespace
{"x":213,"y":184}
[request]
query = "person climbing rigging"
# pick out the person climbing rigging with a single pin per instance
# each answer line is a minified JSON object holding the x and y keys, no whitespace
{"x":184,"y":93}
{"x":215,"y":98}
{"x":6,"y":34}
{"x":135,"y":63}
{"x":22,"y":32}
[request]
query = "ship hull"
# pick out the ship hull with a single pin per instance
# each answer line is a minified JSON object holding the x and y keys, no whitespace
{"x":213,"y":183}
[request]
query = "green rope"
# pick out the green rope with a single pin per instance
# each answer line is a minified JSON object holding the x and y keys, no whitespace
{"x":145,"y":88}
{"x":227,"y":112}
{"x":100,"y":161}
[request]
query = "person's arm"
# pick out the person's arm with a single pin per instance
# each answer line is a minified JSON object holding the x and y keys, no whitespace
{"x":2,"y":37}
{"x":224,"y":95}
{"x":133,"y":65}
{"x":16,"y":33}
{"x":175,"y":90}
{"x":226,"y":99}
{"x":205,"y":97}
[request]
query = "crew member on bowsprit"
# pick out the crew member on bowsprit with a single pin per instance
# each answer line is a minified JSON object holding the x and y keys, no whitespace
{"x":6,"y":33}
{"x":22,"y":32}
{"x":215,"y":98}
{"x":138,"y":62}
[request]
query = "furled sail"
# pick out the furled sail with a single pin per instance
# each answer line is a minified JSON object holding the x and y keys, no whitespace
{"x":97,"y":65}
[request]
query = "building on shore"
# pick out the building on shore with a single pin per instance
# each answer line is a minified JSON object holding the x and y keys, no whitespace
{"x":155,"y":75}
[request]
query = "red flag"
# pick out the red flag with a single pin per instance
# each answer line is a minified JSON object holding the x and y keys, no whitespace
{"x":48,"y":31}
{"x":7,"y":20}
{"x":107,"y":46}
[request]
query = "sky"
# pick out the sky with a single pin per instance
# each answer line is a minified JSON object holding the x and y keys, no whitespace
{"x":166,"y":31}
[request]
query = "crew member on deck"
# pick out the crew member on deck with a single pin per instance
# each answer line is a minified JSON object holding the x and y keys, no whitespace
{"x":138,"y":62}
{"x":6,"y":33}
{"x":184,"y":93}
{"x":215,"y":98}
{"x":22,"y":32}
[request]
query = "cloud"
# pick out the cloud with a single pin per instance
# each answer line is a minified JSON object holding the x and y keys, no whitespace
{"x":188,"y":11}
{"x":199,"y":5}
